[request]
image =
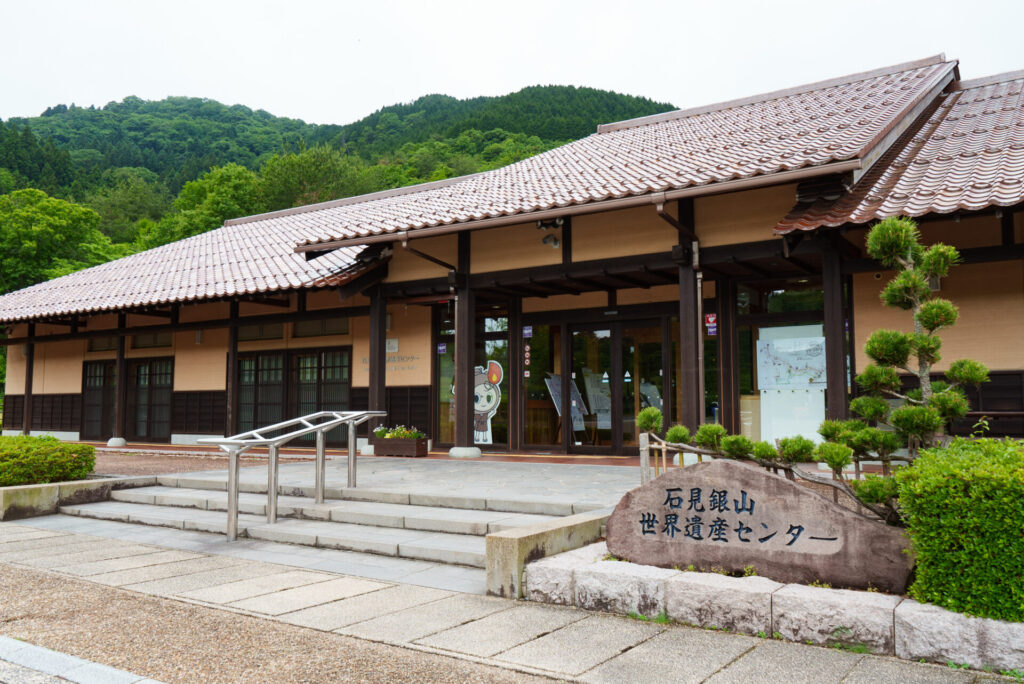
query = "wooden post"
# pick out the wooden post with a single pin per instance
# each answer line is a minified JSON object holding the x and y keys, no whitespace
{"x":30,"y":363}
{"x":465,"y":352}
{"x":378,"y":353}
{"x":120,"y":386}
{"x":689,"y":339}
{"x":728,"y":357}
{"x":515,"y":374}
{"x":835,"y":334}
{"x":231,"y":427}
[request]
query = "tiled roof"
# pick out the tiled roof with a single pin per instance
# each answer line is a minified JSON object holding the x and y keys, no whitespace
{"x":232,"y":260}
{"x":969,"y":155}
{"x":810,"y":126}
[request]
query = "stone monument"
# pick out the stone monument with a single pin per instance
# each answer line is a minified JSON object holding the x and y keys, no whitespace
{"x":726,"y":515}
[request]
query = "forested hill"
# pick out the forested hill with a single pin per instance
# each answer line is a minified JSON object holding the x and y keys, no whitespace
{"x":553,"y":113}
{"x":179,"y":138}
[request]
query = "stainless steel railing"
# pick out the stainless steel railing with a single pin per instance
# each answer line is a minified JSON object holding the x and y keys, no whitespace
{"x":319,"y":423}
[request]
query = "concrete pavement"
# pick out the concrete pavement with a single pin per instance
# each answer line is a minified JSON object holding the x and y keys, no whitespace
{"x":561,"y":643}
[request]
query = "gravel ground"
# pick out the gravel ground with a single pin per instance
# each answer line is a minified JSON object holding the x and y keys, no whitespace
{"x":179,"y":642}
{"x":128,"y":463}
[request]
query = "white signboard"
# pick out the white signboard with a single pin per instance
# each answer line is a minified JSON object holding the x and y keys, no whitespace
{"x":791,"y":363}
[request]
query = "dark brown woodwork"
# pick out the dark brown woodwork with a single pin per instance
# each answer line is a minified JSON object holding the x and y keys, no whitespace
{"x":231,"y":415}
{"x":465,"y":324}
{"x":971,"y":255}
{"x":266,"y":319}
{"x":378,"y":350}
{"x":728,"y":357}
{"x":515,"y":373}
{"x":121,"y":382}
{"x":30,"y":364}
{"x":567,"y":240}
{"x":689,"y":327}
{"x":1006,"y":226}
{"x":835,"y":335}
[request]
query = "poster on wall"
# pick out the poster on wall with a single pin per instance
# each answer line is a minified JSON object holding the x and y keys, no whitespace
{"x":599,"y":392}
{"x":791,"y":363}
{"x":791,"y":380}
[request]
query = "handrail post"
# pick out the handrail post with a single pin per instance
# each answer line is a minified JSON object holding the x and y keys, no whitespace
{"x":321,"y":463}
{"x":351,"y":453}
{"x":272,"y":485}
{"x":645,"y":458}
{"x":232,"y":529}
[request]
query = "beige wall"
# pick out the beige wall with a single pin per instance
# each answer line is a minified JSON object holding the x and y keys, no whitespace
{"x":991,"y":302}
{"x":407,"y":266}
{"x":626,"y":232}
{"x":737,"y":217}
{"x":58,"y":368}
{"x":411,"y":364}
{"x":200,"y":366}
{"x":520,"y":246}
{"x":587,"y":300}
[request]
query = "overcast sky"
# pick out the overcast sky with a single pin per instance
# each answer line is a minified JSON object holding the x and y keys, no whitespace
{"x":334,"y":62}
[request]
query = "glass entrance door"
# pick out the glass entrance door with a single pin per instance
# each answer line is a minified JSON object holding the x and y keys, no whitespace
{"x":642,"y":376}
{"x":591,"y":386}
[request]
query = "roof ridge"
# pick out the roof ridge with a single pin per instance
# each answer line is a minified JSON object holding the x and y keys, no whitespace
{"x":989,"y":80}
{"x":355,"y":199}
{"x":775,"y":94}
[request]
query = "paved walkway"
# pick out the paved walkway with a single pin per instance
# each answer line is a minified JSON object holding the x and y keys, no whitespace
{"x":504,"y":486}
{"x":557,"y":642}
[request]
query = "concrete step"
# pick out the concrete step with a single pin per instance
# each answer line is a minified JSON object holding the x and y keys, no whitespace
{"x":456,"y":549}
{"x":254,"y":481}
{"x":406,"y":516}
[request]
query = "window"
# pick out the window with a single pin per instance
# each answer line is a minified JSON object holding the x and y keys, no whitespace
{"x":271,"y":331}
{"x":107,"y":343}
{"x":151,"y":340}
{"x":324,"y":326}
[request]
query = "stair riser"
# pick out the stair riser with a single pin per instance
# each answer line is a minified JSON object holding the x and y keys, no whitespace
{"x":304,"y":513}
{"x":384,"y":496}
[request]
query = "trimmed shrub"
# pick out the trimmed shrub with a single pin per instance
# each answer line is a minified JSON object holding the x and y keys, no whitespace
{"x":709,"y":436}
{"x":649,"y":420}
{"x":963,"y":506}
{"x":737,"y":446}
{"x":678,"y":434}
{"x":38,"y":460}
{"x":796,"y":449}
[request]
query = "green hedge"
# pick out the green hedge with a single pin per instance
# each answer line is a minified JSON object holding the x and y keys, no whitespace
{"x":38,"y":460}
{"x":964,"y":508}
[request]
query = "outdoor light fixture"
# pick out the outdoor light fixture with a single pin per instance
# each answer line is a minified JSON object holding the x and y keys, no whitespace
{"x":551,"y":240}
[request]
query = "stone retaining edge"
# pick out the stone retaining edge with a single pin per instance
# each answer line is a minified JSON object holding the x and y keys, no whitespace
{"x":857,"y":620}
{"x":29,"y":501}
{"x":508,"y":551}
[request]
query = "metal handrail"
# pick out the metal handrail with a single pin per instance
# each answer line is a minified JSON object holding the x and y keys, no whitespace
{"x":320,"y":423}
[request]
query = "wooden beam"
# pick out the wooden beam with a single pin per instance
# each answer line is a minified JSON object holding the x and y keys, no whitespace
{"x":291,"y":317}
{"x":30,"y":365}
{"x":835,"y":335}
{"x":465,"y":349}
{"x":1009,"y":234}
{"x":689,"y":338}
{"x":285,"y":303}
{"x":971,"y":255}
{"x":378,"y":351}
{"x":121,"y":382}
{"x":231,"y":414}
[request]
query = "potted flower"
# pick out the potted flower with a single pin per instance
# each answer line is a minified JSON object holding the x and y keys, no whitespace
{"x":399,"y":441}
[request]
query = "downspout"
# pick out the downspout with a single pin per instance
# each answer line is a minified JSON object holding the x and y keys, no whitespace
{"x":690,"y":232}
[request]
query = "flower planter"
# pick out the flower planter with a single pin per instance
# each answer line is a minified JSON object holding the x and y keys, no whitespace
{"x":399,"y":447}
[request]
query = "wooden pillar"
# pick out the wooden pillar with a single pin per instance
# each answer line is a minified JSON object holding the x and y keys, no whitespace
{"x":231,"y":427}
{"x":514,"y":373}
{"x":836,"y":400}
{"x":120,"y":386}
{"x":465,"y":348}
{"x":378,"y":352}
{"x":728,"y":357}
{"x":30,"y":364}
{"x":689,"y":339}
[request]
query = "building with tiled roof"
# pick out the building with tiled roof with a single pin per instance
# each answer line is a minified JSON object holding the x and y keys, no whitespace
{"x":653,"y":263}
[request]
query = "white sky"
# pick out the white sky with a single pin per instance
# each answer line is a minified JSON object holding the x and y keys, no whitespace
{"x":334,"y":62}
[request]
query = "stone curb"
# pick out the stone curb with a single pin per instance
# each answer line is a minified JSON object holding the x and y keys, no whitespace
{"x":881,"y":623}
{"x":29,"y":501}
{"x":65,"y":666}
